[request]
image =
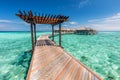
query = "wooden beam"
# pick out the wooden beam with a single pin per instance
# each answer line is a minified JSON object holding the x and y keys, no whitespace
{"x":44,"y":19}
{"x":30,"y":13}
{"x":25,"y":13}
{"x":41,"y":19}
{"x":52,"y":32}
{"x":60,"y":34}
{"x":35,"y":34}
{"x":20,"y":12}
{"x":47,"y":18}
{"x":32,"y":38}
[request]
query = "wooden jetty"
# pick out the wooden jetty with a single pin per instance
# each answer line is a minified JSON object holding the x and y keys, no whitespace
{"x":65,"y":31}
{"x":86,"y":31}
{"x":51,"y":62}
{"x":81,"y":31}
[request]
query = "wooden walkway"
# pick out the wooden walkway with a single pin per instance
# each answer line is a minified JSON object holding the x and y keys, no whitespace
{"x":51,"y":62}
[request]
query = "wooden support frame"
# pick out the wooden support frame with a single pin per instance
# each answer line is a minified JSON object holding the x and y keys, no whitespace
{"x":52,"y":32}
{"x":34,"y":18}
{"x":60,"y":35}
{"x":32,"y":36}
{"x":42,"y":19}
{"x":34,"y":33}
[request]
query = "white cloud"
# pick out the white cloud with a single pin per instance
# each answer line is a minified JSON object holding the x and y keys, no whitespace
{"x":94,"y":20}
{"x":13,"y":22}
{"x":2,"y":26}
{"x":10,"y":25}
{"x":82,"y":3}
{"x":73,"y":22}
{"x":115,"y":18}
{"x":5,"y":21}
{"x":65,"y":25}
{"x":70,"y":24}
{"x":106,"y":24}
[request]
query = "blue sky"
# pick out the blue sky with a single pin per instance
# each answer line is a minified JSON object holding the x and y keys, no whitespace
{"x":102,"y":15}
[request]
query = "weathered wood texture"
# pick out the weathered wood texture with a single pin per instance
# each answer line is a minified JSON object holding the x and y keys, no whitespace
{"x":41,"y":19}
{"x":32,"y":36}
{"x":52,"y":32}
{"x":51,"y":62}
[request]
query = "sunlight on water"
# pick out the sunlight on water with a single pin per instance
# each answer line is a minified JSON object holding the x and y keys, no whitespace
{"x":14,"y":62}
{"x":100,"y":52}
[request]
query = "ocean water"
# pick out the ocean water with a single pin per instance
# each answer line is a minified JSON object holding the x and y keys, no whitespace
{"x":100,"y":52}
{"x":14,"y":60}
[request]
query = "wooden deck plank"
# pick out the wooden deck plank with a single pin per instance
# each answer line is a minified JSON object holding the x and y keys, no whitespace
{"x":89,"y":76}
{"x":51,"y":62}
{"x":81,"y":73}
{"x":75,"y":73}
{"x":63,"y":74}
{"x":71,"y":72}
{"x":46,"y":59}
{"x":44,"y":72}
{"x":57,"y":71}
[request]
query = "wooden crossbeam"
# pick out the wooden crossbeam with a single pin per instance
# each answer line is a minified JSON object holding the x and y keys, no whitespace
{"x":41,"y":19}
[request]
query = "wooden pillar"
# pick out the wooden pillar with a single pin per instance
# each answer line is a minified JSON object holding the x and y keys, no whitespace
{"x":35,"y":34}
{"x":32,"y":38}
{"x":52,"y":32}
{"x":60,"y":34}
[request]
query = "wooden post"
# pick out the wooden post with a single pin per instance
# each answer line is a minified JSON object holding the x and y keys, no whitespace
{"x":52,"y":32}
{"x":32,"y":38}
{"x":35,"y":34}
{"x":60,"y":34}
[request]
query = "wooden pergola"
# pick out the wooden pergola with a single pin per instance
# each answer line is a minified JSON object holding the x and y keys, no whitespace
{"x":35,"y":18}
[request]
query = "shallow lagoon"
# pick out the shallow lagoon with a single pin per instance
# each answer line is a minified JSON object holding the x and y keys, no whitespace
{"x":14,"y":60}
{"x":100,"y":52}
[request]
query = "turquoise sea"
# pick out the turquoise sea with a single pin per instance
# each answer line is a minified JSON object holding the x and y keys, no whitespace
{"x":14,"y":60}
{"x":100,"y":53}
